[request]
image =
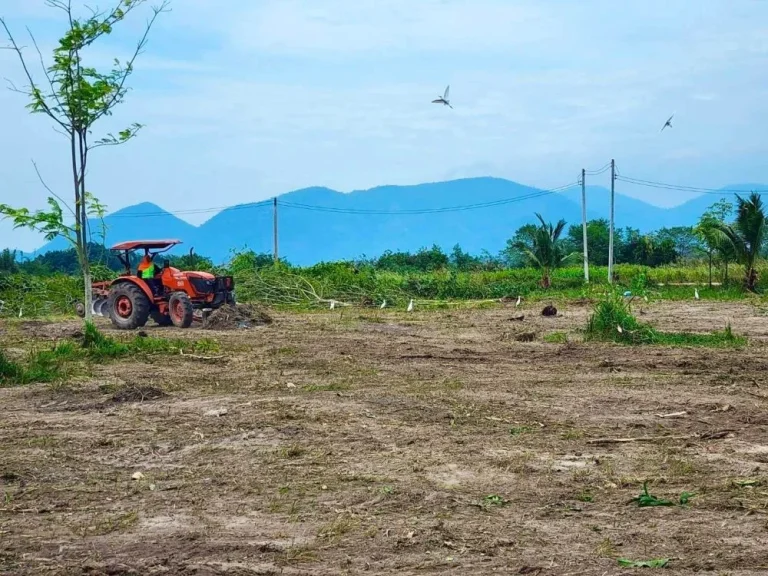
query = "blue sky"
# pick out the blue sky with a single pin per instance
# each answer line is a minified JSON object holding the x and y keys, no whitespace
{"x":245,"y":99}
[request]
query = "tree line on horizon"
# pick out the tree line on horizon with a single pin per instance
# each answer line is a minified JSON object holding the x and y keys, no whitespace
{"x":724,"y":234}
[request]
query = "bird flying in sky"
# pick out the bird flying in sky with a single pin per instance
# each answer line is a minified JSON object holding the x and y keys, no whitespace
{"x":444,"y":99}
{"x":668,"y":123}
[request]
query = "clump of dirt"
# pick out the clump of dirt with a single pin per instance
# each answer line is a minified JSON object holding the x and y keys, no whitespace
{"x":549,"y":310}
{"x":137,"y":394}
{"x":526,"y":337}
{"x":237,"y":316}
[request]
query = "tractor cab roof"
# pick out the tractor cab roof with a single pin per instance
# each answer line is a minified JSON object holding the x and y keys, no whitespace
{"x":145,"y":245}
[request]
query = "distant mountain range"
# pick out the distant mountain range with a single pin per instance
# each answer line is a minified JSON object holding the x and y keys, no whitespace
{"x":319,"y":224}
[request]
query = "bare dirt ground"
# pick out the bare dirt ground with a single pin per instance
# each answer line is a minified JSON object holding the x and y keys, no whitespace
{"x":367,"y":443}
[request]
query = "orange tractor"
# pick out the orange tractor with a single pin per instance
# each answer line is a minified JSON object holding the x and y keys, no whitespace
{"x":169,"y":296}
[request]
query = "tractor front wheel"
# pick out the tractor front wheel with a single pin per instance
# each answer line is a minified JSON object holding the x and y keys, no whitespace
{"x":128,"y":306}
{"x":180,"y":310}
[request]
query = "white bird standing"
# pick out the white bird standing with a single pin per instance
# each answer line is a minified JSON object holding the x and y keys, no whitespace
{"x":444,"y":98}
{"x":383,"y":305}
{"x":410,"y":305}
{"x":20,"y":312}
{"x":696,"y":293}
{"x":333,"y":304}
{"x":620,"y":329}
{"x":518,"y":302}
{"x":667,"y":123}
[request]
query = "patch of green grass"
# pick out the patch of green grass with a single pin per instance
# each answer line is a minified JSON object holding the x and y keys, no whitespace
{"x":494,"y":500}
{"x":612,"y":320}
{"x":40,"y":366}
{"x":585,"y":496}
{"x":55,"y":363}
{"x":556,"y":338}
{"x":655,"y":563}
{"x":520,"y":430}
{"x":11,"y":372}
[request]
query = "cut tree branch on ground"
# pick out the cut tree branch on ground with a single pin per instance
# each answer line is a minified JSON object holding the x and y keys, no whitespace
{"x":703,"y":436}
{"x":197,"y":357}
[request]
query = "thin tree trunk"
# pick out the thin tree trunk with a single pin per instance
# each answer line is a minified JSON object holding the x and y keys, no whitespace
{"x":80,"y":242}
{"x":710,"y":268}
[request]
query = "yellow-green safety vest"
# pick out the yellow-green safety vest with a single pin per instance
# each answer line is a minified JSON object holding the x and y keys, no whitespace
{"x":148,"y":272}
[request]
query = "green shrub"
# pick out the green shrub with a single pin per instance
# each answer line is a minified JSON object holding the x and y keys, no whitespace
{"x":612,"y":320}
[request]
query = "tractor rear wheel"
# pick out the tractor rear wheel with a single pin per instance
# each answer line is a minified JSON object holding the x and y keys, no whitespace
{"x":128,"y":306}
{"x":160,"y":319}
{"x":180,"y":310}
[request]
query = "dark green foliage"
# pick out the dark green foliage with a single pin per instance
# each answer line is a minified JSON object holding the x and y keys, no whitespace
{"x":541,"y":247}
{"x":630,"y":246}
{"x":424,"y":260}
{"x":597,"y":240}
{"x":67,"y":261}
{"x":192,"y":262}
{"x":8,"y":263}
{"x":745,"y":236}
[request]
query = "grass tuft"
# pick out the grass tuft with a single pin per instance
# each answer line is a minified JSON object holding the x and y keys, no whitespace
{"x":613,"y":321}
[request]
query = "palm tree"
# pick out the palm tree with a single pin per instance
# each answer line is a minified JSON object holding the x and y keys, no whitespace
{"x":746,"y":235}
{"x":542,"y":247}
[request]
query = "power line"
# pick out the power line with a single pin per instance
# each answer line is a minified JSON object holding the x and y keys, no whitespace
{"x":598,"y":171}
{"x":501,"y":202}
{"x":682,"y":188}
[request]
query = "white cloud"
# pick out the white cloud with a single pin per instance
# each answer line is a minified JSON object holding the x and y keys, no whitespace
{"x":353,"y":26}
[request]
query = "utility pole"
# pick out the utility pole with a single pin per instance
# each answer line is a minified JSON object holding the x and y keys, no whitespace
{"x":274,"y":229}
{"x":610,"y":233}
{"x":584,"y":223}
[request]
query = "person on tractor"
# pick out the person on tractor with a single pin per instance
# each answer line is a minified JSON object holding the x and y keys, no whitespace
{"x":146,"y":268}
{"x":147,"y":271}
